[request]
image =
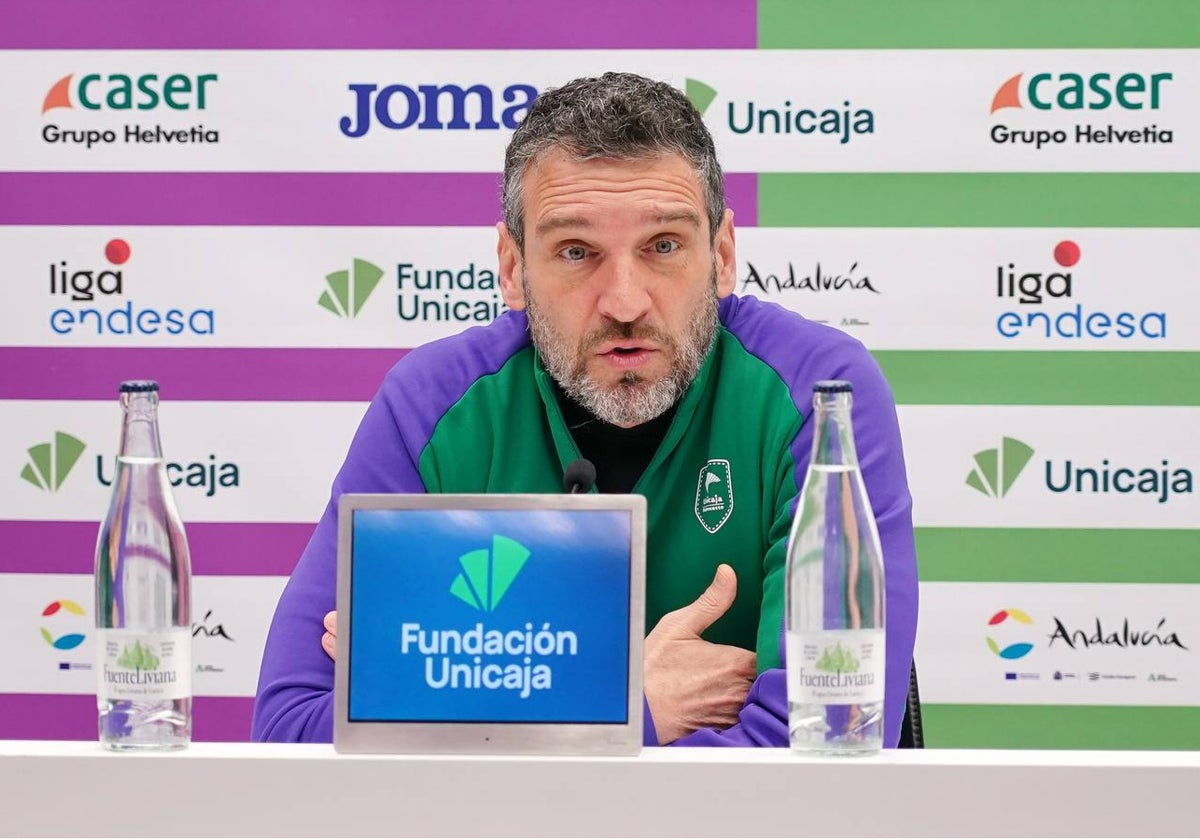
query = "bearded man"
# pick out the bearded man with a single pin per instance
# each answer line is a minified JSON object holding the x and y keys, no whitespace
{"x":626,"y":345}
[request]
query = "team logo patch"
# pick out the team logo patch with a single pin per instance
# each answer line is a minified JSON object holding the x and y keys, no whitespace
{"x":714,"y":495}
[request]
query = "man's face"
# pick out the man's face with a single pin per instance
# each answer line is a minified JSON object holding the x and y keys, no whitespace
{"x":620,"y":279}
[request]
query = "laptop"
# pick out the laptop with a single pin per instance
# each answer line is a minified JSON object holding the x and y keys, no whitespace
{"x":490,"y":623}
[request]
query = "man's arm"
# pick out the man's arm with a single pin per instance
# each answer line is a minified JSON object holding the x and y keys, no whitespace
{"x":763,"y":719}
{"x":295,"y":687}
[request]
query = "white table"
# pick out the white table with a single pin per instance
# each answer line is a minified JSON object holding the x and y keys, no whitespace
{"x":64,"y":788}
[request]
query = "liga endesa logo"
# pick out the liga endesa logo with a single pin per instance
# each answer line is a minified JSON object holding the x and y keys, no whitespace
{"x":89,"y":300}
{"x":1047,"y":306}
{"x":1104,"y":93}
{"x":82,"y":94}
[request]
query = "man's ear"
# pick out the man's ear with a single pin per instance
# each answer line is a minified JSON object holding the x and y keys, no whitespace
{"x":511,"y":266}
{"x":725,"y":256}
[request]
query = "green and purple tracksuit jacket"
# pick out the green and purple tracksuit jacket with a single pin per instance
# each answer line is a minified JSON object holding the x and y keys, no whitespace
{"x":477,"y":413}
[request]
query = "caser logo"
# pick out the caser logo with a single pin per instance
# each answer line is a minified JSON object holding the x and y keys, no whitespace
{"x":996,"y":469}
{"x":1074,"y":91}
{"x":119,"y":92}
{"x":748,"y":117}
{"x":428,"y":107}
{"x":347,"y":291}
{"x":487,"y":574}
{"x":50,"y":463}
{"x":1079,"y":92}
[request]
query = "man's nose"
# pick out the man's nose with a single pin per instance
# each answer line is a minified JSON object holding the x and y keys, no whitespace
{"x":624,"y":296}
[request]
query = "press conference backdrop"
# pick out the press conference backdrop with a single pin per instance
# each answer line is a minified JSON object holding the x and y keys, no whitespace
{"x":263,"y":207}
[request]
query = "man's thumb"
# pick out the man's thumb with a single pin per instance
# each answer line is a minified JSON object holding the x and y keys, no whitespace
{"x":713,"y":603}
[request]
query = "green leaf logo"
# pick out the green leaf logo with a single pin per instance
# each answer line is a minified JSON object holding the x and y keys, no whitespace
{"x":347,"y":291}
{"x":487,"y":575}
{"x":836,"y":659}
{"x":996,"y":469}
{"x":138,"y":656}
{"x":50,"y":463}
{"x":699,"y":94}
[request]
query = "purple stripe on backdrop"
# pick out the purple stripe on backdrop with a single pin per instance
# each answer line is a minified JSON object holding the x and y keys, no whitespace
{"x":187,"y":373}
{"x":72,"y":717}
{"x":275,"y":198}
{"x":380,"y":24}
{"x":217,"y":548}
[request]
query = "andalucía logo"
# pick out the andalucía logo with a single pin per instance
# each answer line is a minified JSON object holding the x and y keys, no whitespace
{"x":347,"y":291}
{"x":842,"y":121}
{"x":95,"y":303}
{"x":1071,"y":93}
{"x":429,"y":107}
{"x":84,"y":93}
{"x":1044,"y":295}
{"x":995,"y":470}
{"x":1014,"y":650}
{"x":50,"y":463}
{"x":66,"y":641}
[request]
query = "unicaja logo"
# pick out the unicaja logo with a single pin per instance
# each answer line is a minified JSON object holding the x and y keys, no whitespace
{"x":487,"y":574}
{"x":347,"y":291}
{"x":1015,"y":650}
{"x":996,"y":469}
{"x":699,"y":94}
{"x":50,"y":463}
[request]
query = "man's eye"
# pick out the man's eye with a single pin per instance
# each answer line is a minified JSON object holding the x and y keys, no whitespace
{"x":574,"y":253}
{"x":666,"y":246}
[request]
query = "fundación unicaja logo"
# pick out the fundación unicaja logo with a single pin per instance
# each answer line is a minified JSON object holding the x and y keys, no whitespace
{"x":995,"y":470}
{"x":1013,"y":650}
{"x":66,"y":641}
{"x":346,"y":291}
{"x":50,"y":463}
{"x":487,"y":574}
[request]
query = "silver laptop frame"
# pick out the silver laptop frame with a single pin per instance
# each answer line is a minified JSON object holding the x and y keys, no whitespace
{"x":482,"y":738}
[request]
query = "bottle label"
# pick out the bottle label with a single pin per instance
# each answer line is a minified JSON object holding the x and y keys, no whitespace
{"x":144,"y":667}
{"x":835,"y":667}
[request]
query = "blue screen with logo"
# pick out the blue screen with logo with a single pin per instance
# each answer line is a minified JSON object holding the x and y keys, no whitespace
{"x":514,"y":616}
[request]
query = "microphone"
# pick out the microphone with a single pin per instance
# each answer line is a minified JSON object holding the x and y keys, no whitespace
{"x":580,"y":476}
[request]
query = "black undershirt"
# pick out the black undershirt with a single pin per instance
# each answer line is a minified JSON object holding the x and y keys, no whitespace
{"x":620,"y":455}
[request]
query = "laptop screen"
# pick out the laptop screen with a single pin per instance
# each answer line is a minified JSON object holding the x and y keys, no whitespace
{"x":490,"y":616}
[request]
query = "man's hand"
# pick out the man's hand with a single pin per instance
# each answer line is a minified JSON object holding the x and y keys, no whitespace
{"x":329,"y":640}
{"x":691,"y":683}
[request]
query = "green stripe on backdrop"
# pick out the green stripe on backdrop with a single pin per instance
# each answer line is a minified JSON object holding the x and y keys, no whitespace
{"x":982,"y":199}
{"x":1052,"y":377}
{"x":1059,"y":555}
{"x":1061,"y":727}
{"x":959,"y":24}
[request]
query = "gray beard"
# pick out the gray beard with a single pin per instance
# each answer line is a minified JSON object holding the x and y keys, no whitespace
{"x":632,"y":400}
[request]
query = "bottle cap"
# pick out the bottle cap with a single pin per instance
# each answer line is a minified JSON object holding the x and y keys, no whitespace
{"x":832,"y":386}
{"x":138,"y":386}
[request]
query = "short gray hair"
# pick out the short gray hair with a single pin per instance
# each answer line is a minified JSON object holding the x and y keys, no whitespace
{"x":620,"y":116}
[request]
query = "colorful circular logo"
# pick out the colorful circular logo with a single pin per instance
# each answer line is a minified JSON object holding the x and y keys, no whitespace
{"x":67,"y":641}
{"x":1015,"y":650}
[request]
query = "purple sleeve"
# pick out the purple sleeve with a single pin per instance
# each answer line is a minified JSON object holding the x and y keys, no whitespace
{"x":295,"y":685}
{"x":802,"y":353}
